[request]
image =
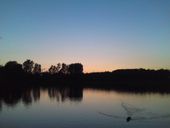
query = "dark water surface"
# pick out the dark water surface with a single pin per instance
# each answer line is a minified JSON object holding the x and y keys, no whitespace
{"x":82,"y":108}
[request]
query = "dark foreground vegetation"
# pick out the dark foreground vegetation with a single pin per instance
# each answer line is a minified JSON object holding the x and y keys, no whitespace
{"x":30,"y":74}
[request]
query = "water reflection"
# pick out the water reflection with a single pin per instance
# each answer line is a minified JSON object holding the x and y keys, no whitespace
{"x":74,"y":107}
{"x":11,"y":97}
{"x":61,"y":94}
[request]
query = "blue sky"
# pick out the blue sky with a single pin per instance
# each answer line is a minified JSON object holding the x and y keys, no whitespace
{"x":101,"y":34}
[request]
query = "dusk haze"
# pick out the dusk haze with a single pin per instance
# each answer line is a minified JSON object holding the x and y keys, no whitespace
{"x":103,"y":35}
{"x":84,"y":63}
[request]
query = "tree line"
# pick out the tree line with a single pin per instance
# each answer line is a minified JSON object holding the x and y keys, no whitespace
{"x":30,"y":67}
{"x":30,"y":73}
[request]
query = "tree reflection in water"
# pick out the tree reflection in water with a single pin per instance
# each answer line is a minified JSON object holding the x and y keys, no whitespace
{"x":12,"y":96}
{"x":61,"y":94}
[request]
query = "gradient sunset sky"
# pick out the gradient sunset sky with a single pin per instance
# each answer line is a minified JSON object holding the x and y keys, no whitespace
{"x":103,"y":35}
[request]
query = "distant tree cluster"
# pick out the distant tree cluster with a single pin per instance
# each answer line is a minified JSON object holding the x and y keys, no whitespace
{"x":54,"y":69}
{"x":30,"y":73}
{"x":75,"y":68}
{"x":13,"y":66}
{"x":30,"y":67}
{"x":72,"y":69}
{"x":34,"y":68}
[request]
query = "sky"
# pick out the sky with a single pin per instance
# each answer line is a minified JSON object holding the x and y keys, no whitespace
{"x":103,"y":35}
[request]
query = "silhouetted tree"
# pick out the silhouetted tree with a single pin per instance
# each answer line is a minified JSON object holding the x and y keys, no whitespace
{"x":76,"y":68}
{"x":58,"y":67}
{"x":1,"y":68}
{"x":28,"y":66}
{"x":37,"y":68}
{"x":52,"y":69}
{"x":10,"y":64}
{"x":13,"y":66}
{"x":64,"y":69}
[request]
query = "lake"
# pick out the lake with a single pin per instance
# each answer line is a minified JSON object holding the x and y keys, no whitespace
{"x":83,"y":108}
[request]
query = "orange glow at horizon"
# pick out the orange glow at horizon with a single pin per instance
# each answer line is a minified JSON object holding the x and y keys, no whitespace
{"x":105,"y":68}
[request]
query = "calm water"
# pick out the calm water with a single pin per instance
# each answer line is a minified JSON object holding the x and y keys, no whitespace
{"x":82,"y":108}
